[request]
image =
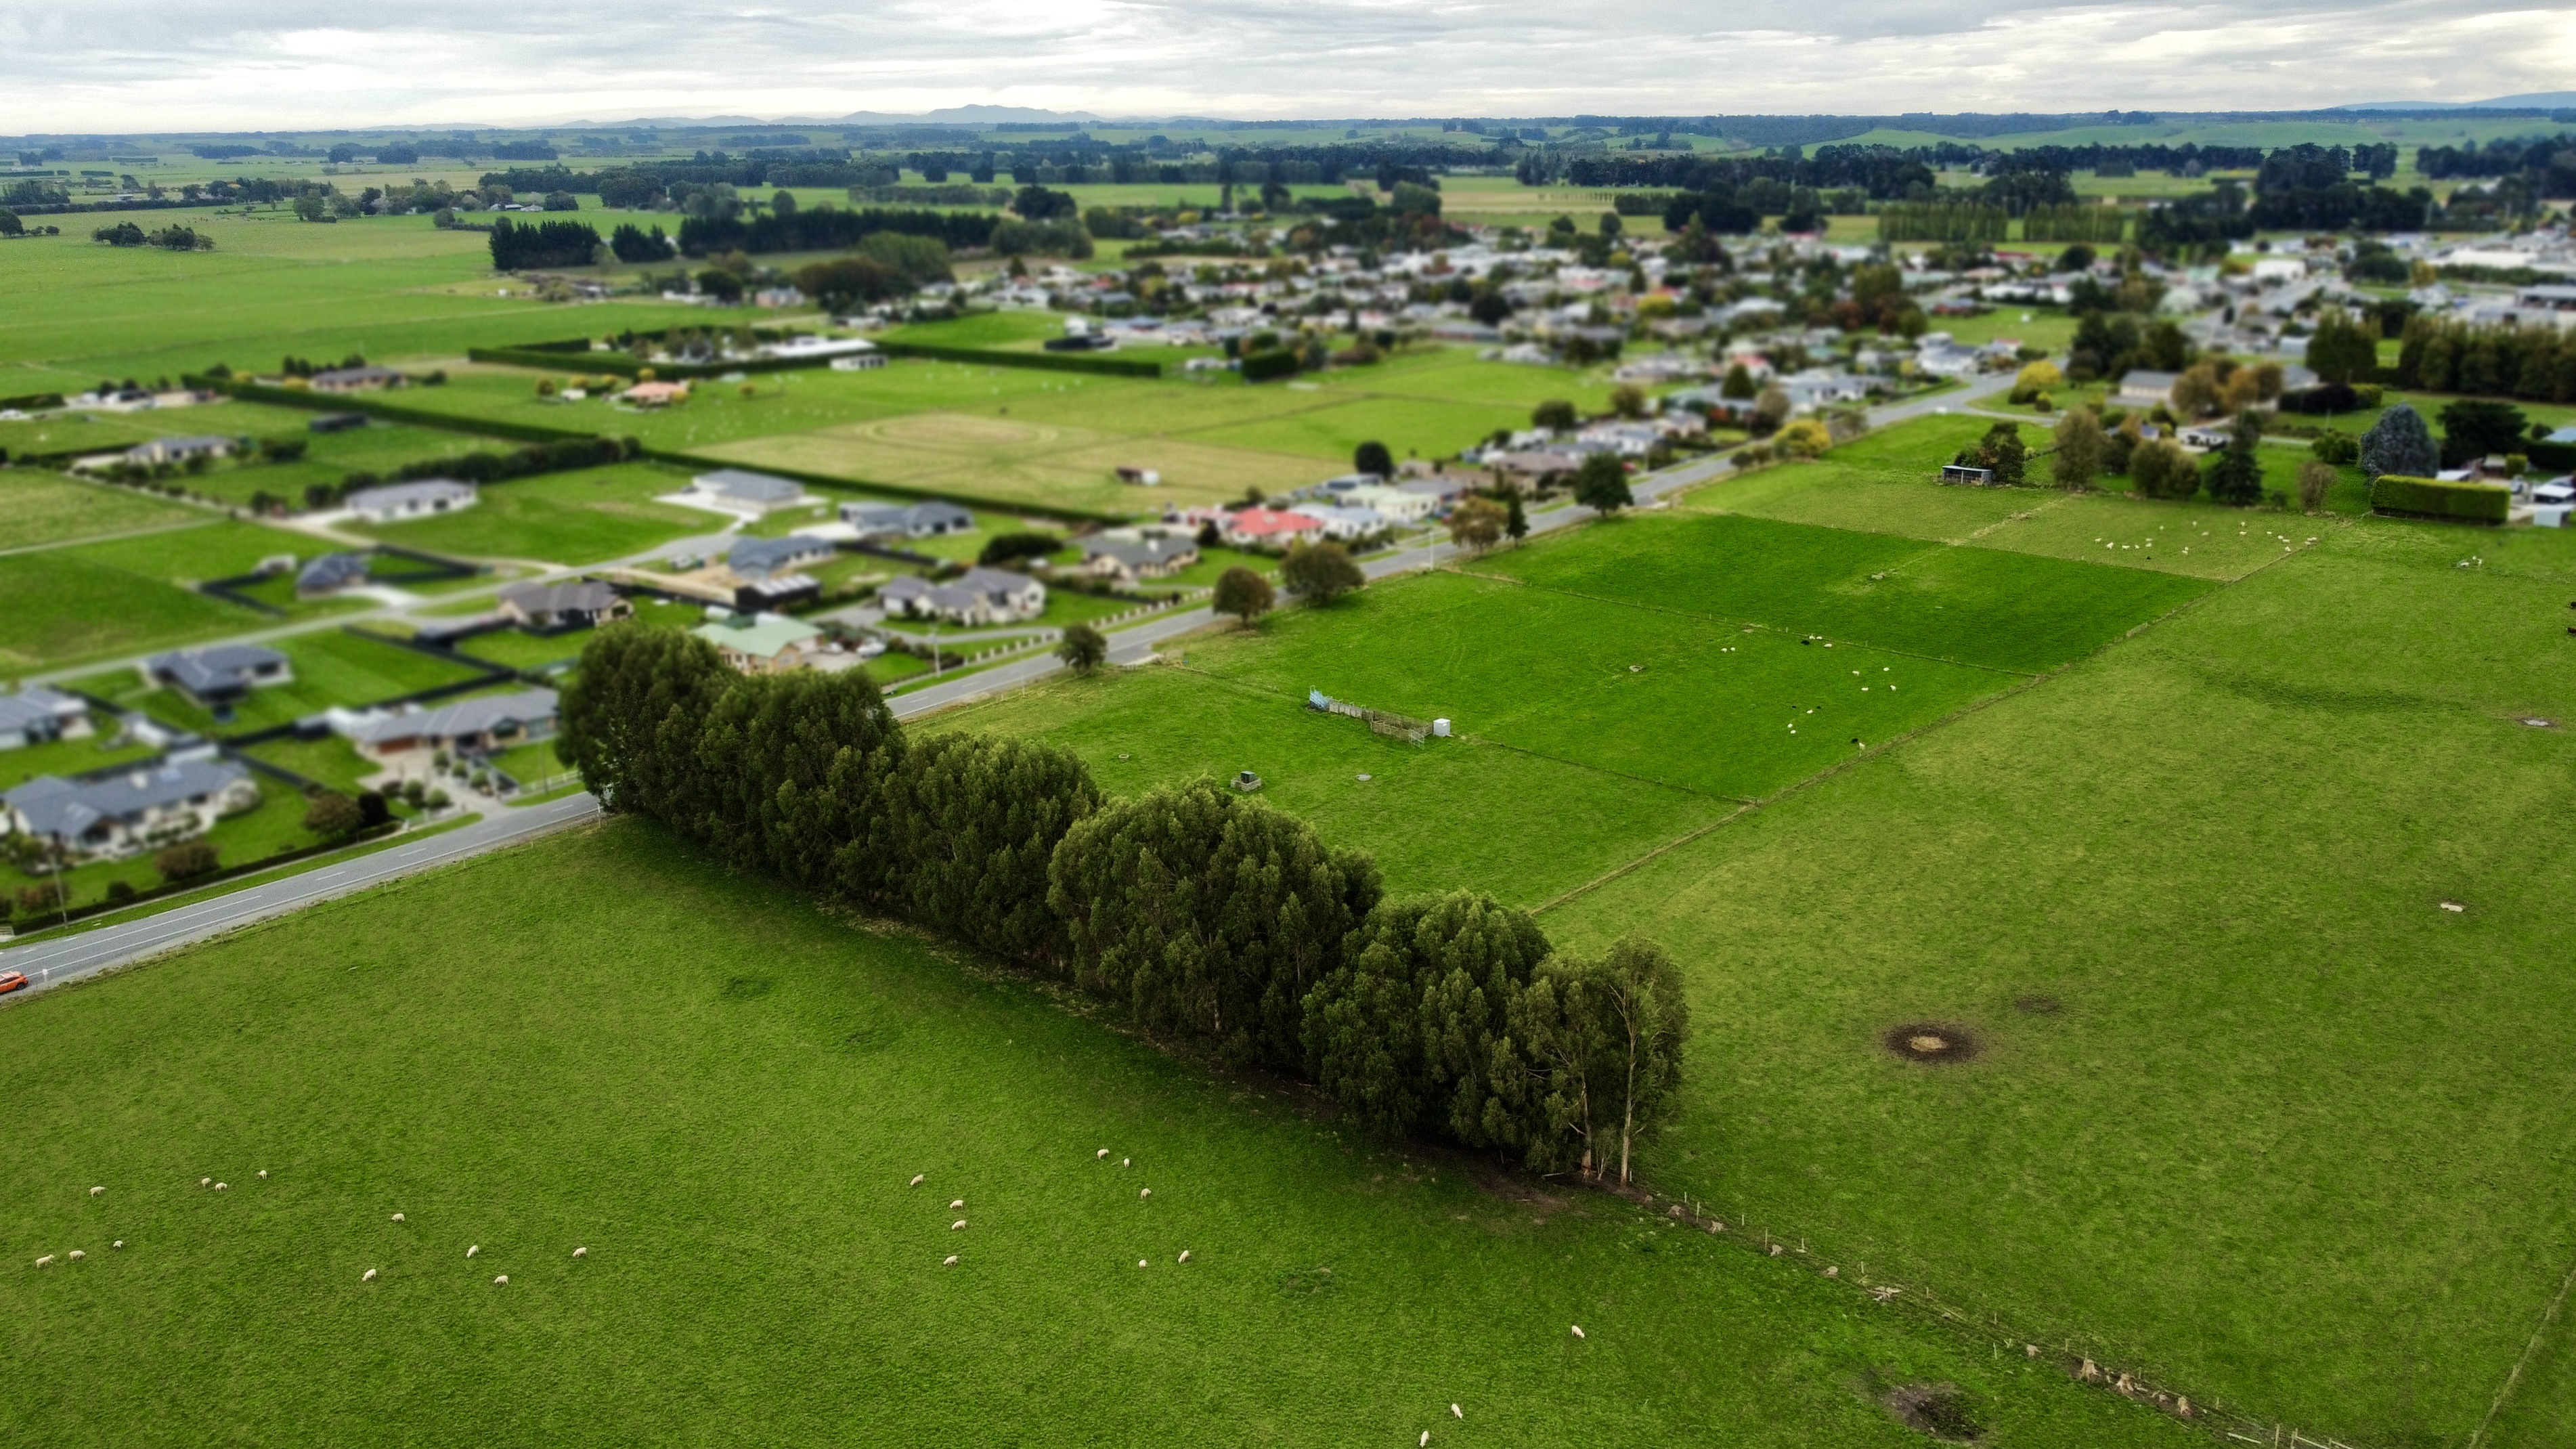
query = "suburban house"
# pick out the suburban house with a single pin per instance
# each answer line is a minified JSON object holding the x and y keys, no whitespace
{"x":982,"y":597}
{"x":1400,"y":504}
{"x":40,"y":716}
{"x":896,"y":520}
{"x":741,"y":491}
{"x":544,"y":608}
{"x":483,"y":725}
{"x":1128,"y":555}
{"x":162,"y":451}
{"x":2140,"y":388}
{"x":1532,"y":466}
{"x":393,"y":502}
{"x":762,"y":558}
{"x":137,"y":810}
{"x":764,"y":643}
{"x":329,"y":574}
{"x":356,"y":379}
{"x":1270,"y":527}
{"x":1345,"y":523}
{"x":220,"y":674}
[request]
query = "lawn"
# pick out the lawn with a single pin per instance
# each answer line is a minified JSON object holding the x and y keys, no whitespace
{"x":728,"y":1131}
{"x":585,"y":517}
{"x":1969,"y":605}
{"x":68,"y":757}
{"x":2251,"y":1112}
{"x":332,"y":667}
{"x":272,"y":827}
{"x":330,"y":760}
{"x":63,"y":605}
{"x":37,"y":509}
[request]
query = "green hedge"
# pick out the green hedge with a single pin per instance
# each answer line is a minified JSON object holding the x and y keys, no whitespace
{"x":2551,"y":455}
{"x":627,"y":364}
{"x":1263,"y":366}
{"x":1043,"y":361}
{"x":2404,"y":497}
{"x":296,"y":397}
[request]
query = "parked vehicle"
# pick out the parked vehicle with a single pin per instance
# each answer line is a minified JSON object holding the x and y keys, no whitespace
{"x":12,"y":981}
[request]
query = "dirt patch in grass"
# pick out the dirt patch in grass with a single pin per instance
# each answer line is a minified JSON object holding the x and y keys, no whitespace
{"x":1930,"y":1041}
{"x":1939,"y":1410}
{"x":2037,"y":1005}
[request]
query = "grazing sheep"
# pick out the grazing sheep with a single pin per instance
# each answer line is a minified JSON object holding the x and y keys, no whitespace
{"x":581,"y":1252}
{"x":501,"y":1280}
{"x":1833,"y":1272}
{"x":205,"y":1182}
{"x":368,"y":1276}
{"x":954,"y":1206}
{"x":916,"y":1179}
{"x":219,"y":1187}
{"x":952,"y":1227}
{"x":263,"y":1172}
{"x":1457,"y":1413}
{"x":398,"y":1217}
{"x":1126,"y":1162}
{"x":470,"y":1252}
{"x":95,"y":1191}
{"x":47,"y":1261}
{"x":1578,"y":1330}
{"x":1144,"y":1193}
{"x":1426,"y":1439}
{"x":119,"y":1243}
{"x":1140,"y":1262}
{"x":1104,"y":1152}
{"x":1185,"y":1255}
{"x":949,"y":1262}
{"x":77,"y":1255}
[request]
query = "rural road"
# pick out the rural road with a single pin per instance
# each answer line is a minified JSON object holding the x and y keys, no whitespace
{"x":69,"y":958}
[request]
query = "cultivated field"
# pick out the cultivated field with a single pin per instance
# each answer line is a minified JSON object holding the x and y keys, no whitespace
{"x":41,"y":509}
{"x":81,"y":601}
{"x":721,"y":1094}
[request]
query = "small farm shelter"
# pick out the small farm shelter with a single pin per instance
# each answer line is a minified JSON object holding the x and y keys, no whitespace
{"x":1962,"y":473}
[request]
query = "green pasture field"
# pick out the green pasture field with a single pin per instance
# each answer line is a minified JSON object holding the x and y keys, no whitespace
{"x":332,"y":667}
{"x":720,"y":1092}
{"x":2043,"y":327}
{"x":389,"y":288}
{"x":63,"y":605}
{"x":2266,"y":1119}
{"x":330,"y":760}
{"x":66,"y":758}
{"x":513,"y":649}
{"x":1969,"y":605}
{"x":38,"y":509}
{"x":583,"y":517}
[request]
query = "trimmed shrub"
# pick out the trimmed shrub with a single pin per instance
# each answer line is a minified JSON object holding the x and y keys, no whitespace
{"x":1264,"y":366}
{"x":2405,"y":497}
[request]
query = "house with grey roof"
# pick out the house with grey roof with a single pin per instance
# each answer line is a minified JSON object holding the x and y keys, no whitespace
{"x":394,"y":502}
{"x":177,"y":450}
{"x":762,"y":558}
{"x":981,"y":598}
{"x":897,"y":520}
{"x":128,"y":811}
{"x":220,"y":674}
{"x":543,"y":608}
{"x":329,"y":574}
{"x":355,"y":379}
{"x":39,"y":716}
{"x":742,"y":491}
{"x":1130,"y":555}
{"x":482,"y":725}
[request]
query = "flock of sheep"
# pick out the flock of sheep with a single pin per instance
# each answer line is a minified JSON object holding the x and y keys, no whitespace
{"x":1143,"y":1194}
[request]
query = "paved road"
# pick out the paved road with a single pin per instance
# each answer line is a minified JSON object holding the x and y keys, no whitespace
{"x":71,"y":957}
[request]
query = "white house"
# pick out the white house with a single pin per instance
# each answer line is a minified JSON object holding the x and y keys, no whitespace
{"x":1398,"y":503}
{"x":39,"y":716}
{"x":394,"y":502}
{"x":983,"y":597}
{"x":741,"y":491}
{"x":485,"y":724}
{"x":122,"y":814}
{"x":896,"y":520}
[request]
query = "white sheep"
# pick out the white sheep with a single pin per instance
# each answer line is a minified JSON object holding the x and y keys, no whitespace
{"x":205,"y":1182}
{"x":398,"y":1217}
{"x":470,"y":1252}
{"x":1185,"y":1255}
{"x":1104,"y":1152}
{"x":219,"y":1187}
{"x":1426,"y":1439}
{"x":1578,"y":1330}
{"x":952,"y":1227}
{"x":47,"y":1261}
{"x":77,"y":1255}
{"x":1457,"y":1413}
{"x":581,"y":1252}
{"x":1140,"y":1262}
{"x":916,"y":1179}
{"x":119,"y":1243}
{"x":368,"y":1276}
{"x":501,"y":1280}
{"x":954,"y":1206}
{"x":949,"y":1262}
{"x":263,"y":1172}
{"x":95,"y":1191}
{"x":1126,"y":1162}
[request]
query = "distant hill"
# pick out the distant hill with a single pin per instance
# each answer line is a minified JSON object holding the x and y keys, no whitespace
{"x":2535,"y":101}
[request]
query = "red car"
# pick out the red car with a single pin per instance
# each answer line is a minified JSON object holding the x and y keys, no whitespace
{"x":12,"y":981}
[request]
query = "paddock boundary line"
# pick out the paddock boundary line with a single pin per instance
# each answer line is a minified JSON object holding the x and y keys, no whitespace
{"x":2505,"y":1391}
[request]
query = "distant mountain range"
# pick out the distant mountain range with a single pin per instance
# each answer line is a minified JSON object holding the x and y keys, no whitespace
{"x":2536,"y":101}
{"x":945,"y":116}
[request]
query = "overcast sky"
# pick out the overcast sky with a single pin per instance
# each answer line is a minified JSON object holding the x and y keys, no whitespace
{"x":142,"y":65}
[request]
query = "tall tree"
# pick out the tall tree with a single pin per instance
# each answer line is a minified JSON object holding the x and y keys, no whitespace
{"x":632,"y":713}
{"x":1476,"y":524}
{"x":1320,"y":572}
{"x":1242,"y":593}
{"x":2400,"y":443}
{"x":1084,"y":648}
{"x":1373,"y":457}
{"x":1602,"y":484}
{"x":2234,"y":474}
{"x":2077,"y":460}
{"x":972,"y":822}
